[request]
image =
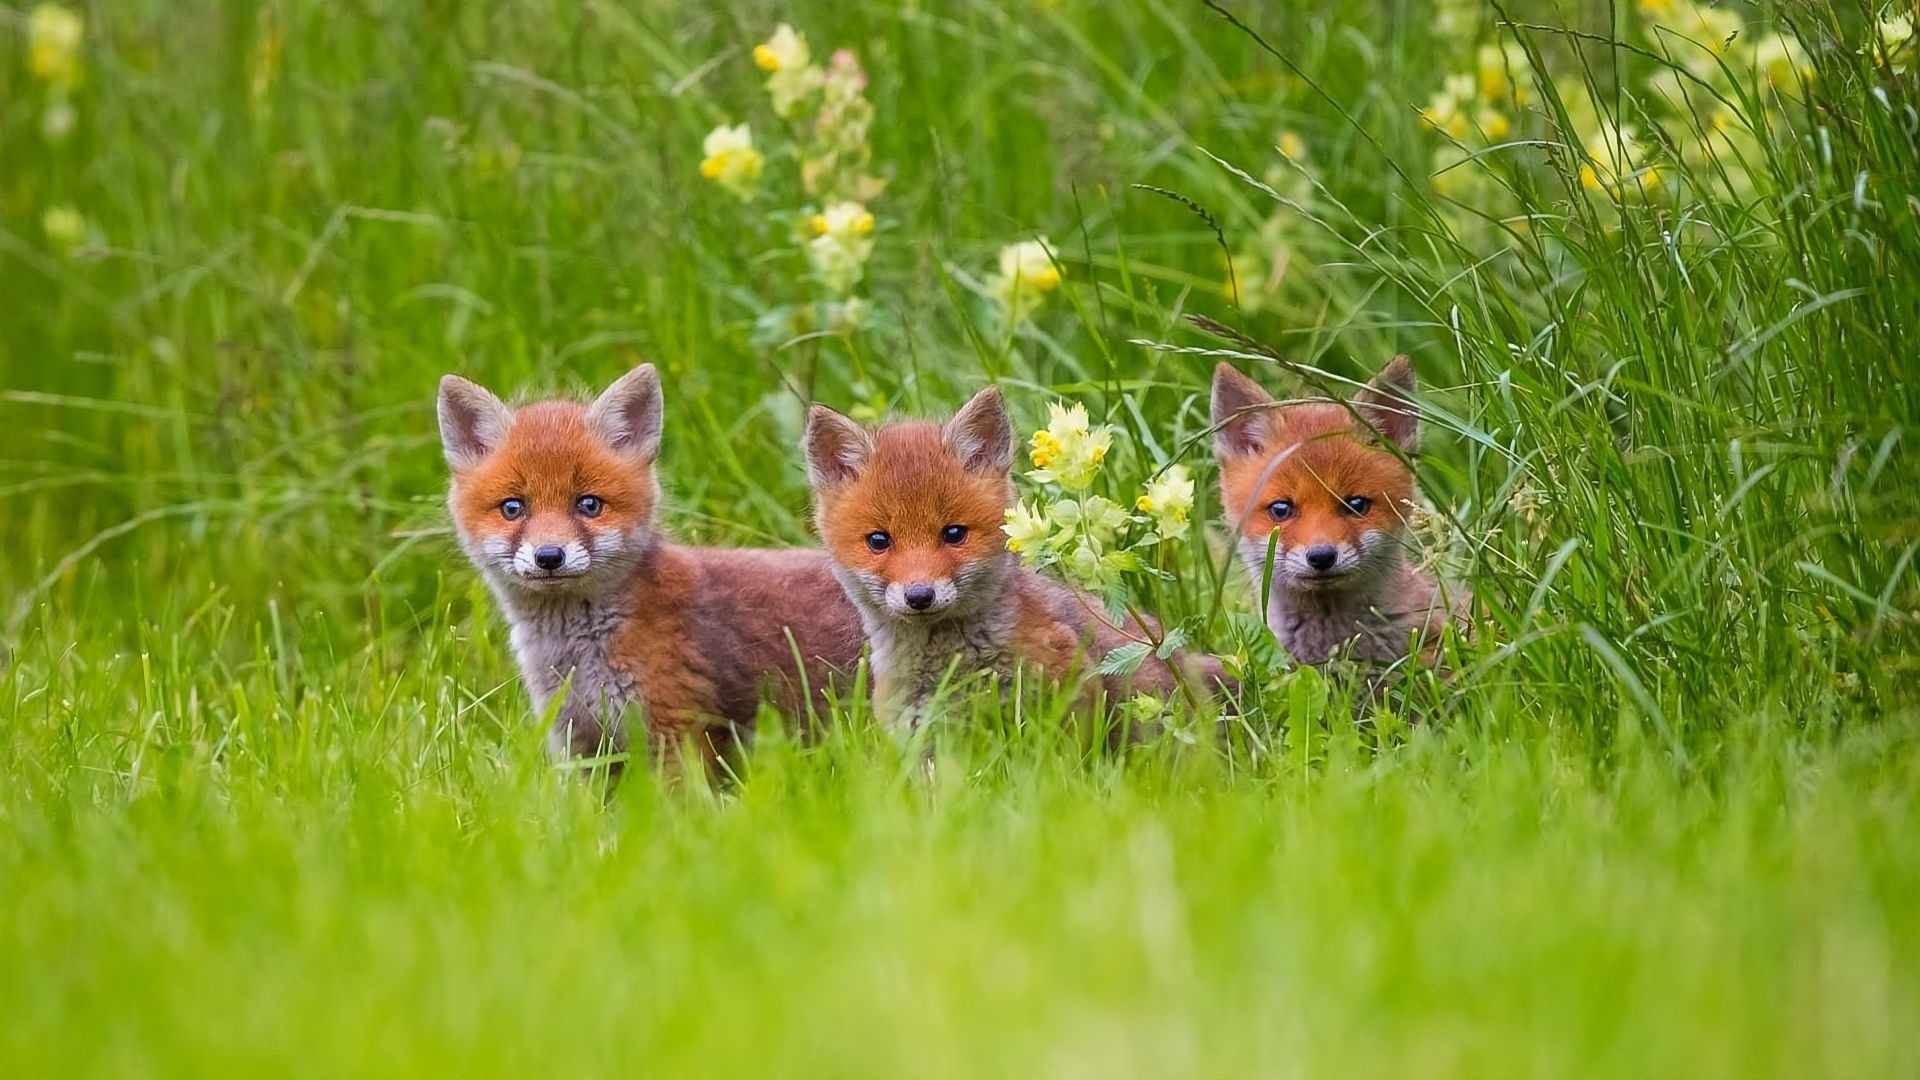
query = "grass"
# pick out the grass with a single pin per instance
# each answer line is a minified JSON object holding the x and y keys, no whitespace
{"x":273,"y":798}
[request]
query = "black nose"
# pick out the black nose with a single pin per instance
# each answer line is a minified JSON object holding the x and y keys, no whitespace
{"x":1322,"y":556}
{"x":548,"y":557}
{"x":919,"y":597}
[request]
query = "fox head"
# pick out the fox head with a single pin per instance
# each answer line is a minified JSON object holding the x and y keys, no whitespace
{"x":1317,"y":478}
{"x":911,"y":513}
{"x":553,"y":497}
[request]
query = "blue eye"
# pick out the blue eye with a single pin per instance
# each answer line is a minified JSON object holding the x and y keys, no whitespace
{"x":1280,"y":509}
{"x":589,"y":505}
{"x":1357,"y":505}
{"x":954,"y":534}
{"x":878,"y":542}
{"x":513,"y":509}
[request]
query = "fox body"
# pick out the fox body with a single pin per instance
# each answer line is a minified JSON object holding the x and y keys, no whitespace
{"x":555,"y":503}
{"x":911,"y":515}
{"x":1316,"y":480}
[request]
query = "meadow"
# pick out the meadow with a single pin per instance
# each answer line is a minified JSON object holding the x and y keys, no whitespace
{"x":273,"y":802}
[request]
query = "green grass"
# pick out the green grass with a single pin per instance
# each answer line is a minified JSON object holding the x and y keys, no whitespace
{"x":271,"y":798}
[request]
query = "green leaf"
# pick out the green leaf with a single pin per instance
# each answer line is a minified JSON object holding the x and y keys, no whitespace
{"x":1124,"y":660}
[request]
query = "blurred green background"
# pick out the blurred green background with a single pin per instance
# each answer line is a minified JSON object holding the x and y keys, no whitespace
{"x":273,"y":796}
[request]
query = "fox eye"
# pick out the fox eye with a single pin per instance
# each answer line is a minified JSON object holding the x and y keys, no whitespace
{"x":878,"y":542}
{"x":589,"y":505}
{"x":513,"y":509}
{"x":1280,"y":509}
{"x":1357,"y":505}
{"x":954,"y":534}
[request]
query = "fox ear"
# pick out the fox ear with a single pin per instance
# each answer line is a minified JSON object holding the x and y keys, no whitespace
{"x":1386,"y":403}
{"x":629,"y":415}
{"x":981,"y":434}
{"x":837,"y":449}
{"x":473,"y":423}
{"x":1239,"y":413}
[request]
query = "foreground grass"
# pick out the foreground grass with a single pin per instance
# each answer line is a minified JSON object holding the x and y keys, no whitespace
{"x":270,"y":799}
{"x":352,"y":889}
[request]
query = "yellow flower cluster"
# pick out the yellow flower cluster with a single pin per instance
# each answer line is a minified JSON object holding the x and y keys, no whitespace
{"x":1484,"y":100}
{"x":792,"y":75}
{"x":1027,"y":274}
{"x":1089,"y":537}
{"x":1689,"y":106}
{"x":1168,"y":499}
{"x":830,"y":117}
{"x":1070,"y":449}
{"x":839,"y":245}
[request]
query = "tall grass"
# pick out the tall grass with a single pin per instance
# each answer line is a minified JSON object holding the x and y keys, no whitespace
{"x":273,"y":794}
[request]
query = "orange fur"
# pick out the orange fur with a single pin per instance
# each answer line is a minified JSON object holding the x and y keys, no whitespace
{"x":912,"y":482}
{"x":692,"y":638}
{"x":1322,"y":482}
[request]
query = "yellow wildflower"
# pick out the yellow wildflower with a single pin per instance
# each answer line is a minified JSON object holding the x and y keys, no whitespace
{"x":1896,"y":39}
{"x":786,"y":50}
{"x":1044,"y":449}
{"x":791,"y":74}
{"x":1444,"y":112}
{"x":841,"y":246}
{"x":1783,"y":62}
{"x":1073,"y":449}
{"x":1493,"y":123}
{"x":1168,"y":499}
{"x":731,"y":160}
{"x":53,"y":45}
{"x":1291,"y":145}
{"x":1027,"y":529}
{"x":1027,"y":274}
{"x":1503,"y":71}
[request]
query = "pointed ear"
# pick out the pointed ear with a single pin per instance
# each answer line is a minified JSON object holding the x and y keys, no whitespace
{"x":473,"y":423}
{"x":981,"y":434}
{"x":1239,"y":413}
{"x":1387,"y":403}
{"x":628,"y":417}
{"x":837,"y":449}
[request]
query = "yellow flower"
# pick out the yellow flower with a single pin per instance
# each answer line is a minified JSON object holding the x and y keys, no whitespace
{"x":1027,"y":529}
{"x":731,"y":160}
{"x":1896,"y":39}
{"x":1618,"y":162}
{"x":1291,"y":145}
{"x":1027,"y":274}
{"x":1044,"y":449}
{"x":53,"y":45}
{"x":1444,"y":110}
{"x":1073,"y":449}
{"x":1168,"y":498}
{"x":1493,"y":123}
{"x":1502,"y":71}
{"x":792,"y":76}
{"x":842,"y":244}
{"x":1783,"y":62}
{"x":786,"y":50}
{"x":64,"y":226}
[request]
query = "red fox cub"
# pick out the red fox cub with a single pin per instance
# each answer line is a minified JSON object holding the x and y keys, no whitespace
{"x":1315,"y":478}
{"x":555,"y":503}
{"x":911,"y":515}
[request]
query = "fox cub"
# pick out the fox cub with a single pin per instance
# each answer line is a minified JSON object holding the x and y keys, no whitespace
{"x":555,"y":503}
{"x":1316,"y":478}
{"x":911,"y":515}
